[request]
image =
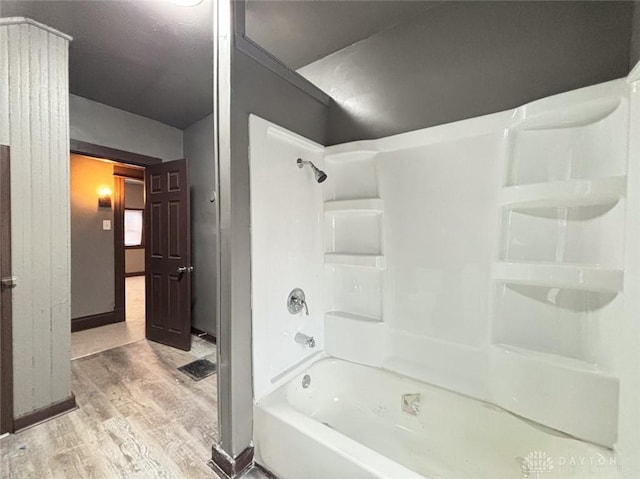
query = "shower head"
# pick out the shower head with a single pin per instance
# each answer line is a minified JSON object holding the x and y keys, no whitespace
{"x":319,"y":174}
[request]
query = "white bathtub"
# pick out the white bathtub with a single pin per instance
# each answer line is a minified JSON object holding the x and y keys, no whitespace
{"x":349,"y":423}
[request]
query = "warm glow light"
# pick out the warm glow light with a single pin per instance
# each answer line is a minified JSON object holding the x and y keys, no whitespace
{"x":186,"y":3}
{"x":104,"y":191}
{"x":104,"y":197}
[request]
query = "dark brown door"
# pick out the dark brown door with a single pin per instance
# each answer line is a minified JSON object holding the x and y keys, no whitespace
{"x":168,"y":254}
{"x":6,"y":296}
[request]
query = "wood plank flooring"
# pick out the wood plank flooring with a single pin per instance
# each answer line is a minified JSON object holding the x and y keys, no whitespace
{"x":138,"y":417}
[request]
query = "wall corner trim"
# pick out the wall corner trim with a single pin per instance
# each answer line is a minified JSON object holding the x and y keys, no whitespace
{"x":44,"y":414}
{"x":29,"y":21}
{"x":634,"y":74}
{"x":228,"y":467}
{"x":259,"y":54}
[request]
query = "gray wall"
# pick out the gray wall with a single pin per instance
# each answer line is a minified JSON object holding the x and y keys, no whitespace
{"x":465,"y":59}
{"x":103,"y":125}
{"x":33,"y":122}
{"x":634,"y":55}
{"x":254,"y":89}
{"x":92,"y":255}
{"x":198,"y":149}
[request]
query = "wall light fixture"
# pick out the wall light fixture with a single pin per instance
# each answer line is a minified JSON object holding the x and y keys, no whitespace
{"x":104,"y":197}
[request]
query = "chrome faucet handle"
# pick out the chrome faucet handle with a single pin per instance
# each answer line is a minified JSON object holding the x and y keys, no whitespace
{"x":296,"y":301}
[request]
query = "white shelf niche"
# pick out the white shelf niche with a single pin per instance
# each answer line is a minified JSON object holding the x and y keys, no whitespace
{"x":561,"y":194}
{"x":355,"y":206}
{"x":561,"y":321}
{"x":353,"y":294}
{"x":351,"y":176}
{"x":569,"y":276}
{"x":589,"y":140}
{"x":358,"y":234}
{"x":357,"y":260}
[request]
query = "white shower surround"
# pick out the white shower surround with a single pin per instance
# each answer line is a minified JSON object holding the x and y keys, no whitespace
{"x":505,"y":267}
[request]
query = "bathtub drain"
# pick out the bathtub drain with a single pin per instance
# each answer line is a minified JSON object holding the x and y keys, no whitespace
{"x":306,"y":381}
{"x":410,"y":403}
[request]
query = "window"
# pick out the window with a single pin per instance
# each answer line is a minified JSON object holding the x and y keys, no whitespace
{"x":133,"y":224}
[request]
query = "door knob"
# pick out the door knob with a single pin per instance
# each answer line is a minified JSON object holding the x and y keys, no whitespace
{"x":185,"y":269}
{"x":9,"y":282}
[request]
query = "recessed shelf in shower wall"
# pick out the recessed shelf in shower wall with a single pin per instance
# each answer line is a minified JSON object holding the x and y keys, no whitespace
{"x":586,"y":141}
{"x":570,"y":276}
{"x":353,"y":293}
{"x":352,"y":176}
{"x":359,"y":260}
{"x":589,"y":235}
{"x":352,"y":316}
{"x":561,"y":321}
{"x":364,"y":205}
{"x":559,"y":194}
{"x":353,"y":233}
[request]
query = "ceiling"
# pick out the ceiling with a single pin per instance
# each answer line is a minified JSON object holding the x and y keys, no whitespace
{"x":301,"y":32}
{"x":153,"y":58}
{"x":148,"y":57}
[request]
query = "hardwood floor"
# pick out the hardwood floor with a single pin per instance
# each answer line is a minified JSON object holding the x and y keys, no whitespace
{"x":138,"y":417}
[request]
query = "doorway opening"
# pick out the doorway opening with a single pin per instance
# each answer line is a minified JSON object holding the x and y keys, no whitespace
{"x":107,"y":254}
{"x":134,"y":256}
{"x":110,"y":234}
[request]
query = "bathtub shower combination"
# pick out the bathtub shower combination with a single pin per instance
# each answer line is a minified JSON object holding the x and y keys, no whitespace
{"x":461,"y":301}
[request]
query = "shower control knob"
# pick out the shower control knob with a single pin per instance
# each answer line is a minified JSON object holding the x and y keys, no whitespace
{"x":296,"y":302}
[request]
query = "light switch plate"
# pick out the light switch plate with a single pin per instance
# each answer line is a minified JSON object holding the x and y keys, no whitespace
{"x":106,"y":225}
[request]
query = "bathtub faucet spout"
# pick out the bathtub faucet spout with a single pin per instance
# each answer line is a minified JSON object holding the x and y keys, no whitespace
{"x":306,"y":340}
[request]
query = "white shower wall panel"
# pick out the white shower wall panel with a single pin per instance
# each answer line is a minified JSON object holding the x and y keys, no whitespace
{"x":440,"y":218}
{"x":489,"y":256}
{"x":504,"y":243}
{"x":286,"y":249}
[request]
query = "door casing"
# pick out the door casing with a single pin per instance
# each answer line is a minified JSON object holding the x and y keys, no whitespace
{"x":6,"y":326}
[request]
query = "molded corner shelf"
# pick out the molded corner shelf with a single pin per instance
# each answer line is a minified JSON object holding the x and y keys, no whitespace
{"x":356,"y":317}
{"x":569,"y":276}
{"x":572,"y":193}
{"x":360,"y":260}
{"x":364,"y":205}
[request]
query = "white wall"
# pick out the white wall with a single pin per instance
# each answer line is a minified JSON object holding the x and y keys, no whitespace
{"x":103,"y":125}
{"x":286,"y":250}
{"x":34,"y":123}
